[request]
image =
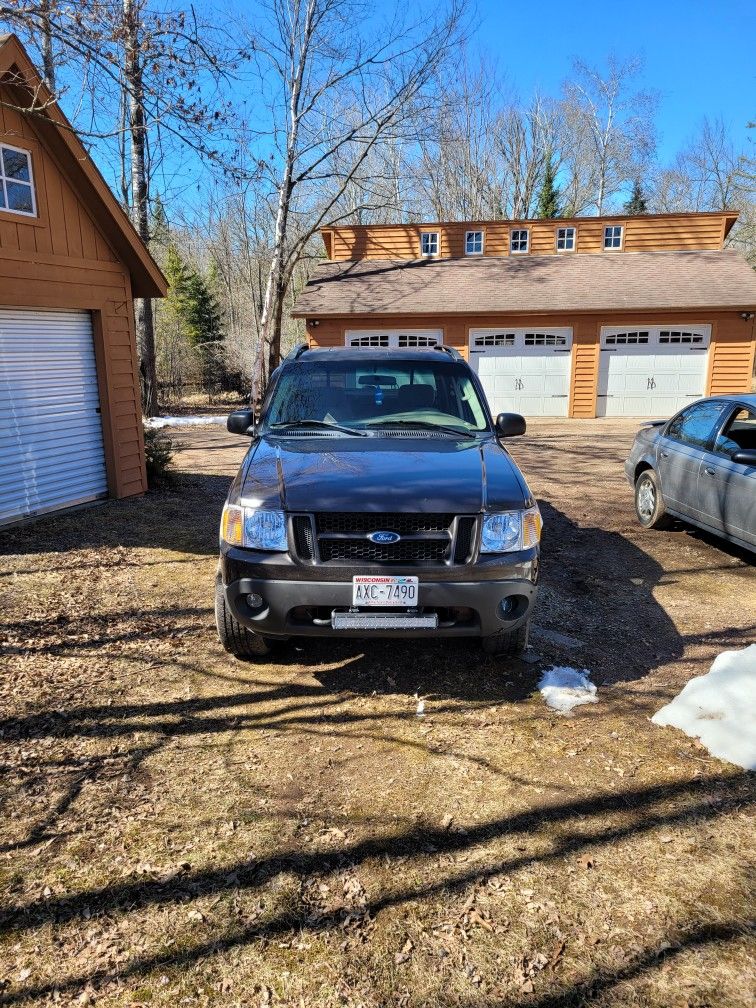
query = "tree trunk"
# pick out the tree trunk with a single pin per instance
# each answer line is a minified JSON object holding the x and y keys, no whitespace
{"x":48,"y":58}
{"x":145,"y":324}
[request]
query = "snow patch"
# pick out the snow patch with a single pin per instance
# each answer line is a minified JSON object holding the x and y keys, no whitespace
{"x":563,"y":688}
{"x":719,"y":708}
{"x":185,"y":421}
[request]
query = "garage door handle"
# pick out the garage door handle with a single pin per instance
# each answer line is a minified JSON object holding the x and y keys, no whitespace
{"x":710,"y":472}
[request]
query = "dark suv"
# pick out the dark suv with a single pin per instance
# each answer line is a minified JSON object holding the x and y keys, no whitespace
{"x":377,"y":499}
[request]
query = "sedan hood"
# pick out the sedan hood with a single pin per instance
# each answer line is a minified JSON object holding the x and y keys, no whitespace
{"x":380,"y":474}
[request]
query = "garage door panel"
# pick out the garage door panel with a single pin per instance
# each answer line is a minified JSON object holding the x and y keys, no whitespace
{"x":522,"y":377}
{"x":51,"y":449}
{"x":655,"y":379}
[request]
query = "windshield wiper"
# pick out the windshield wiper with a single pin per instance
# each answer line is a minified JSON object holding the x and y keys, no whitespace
{"x":324,"y":424}
{"x":424,"y":425}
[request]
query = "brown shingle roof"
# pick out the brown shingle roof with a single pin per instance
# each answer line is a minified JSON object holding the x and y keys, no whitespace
{"x":553,"y":283}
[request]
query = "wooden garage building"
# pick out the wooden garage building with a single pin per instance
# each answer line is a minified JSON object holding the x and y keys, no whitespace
{"x":70,"y":265}
{"x":587,"y":317}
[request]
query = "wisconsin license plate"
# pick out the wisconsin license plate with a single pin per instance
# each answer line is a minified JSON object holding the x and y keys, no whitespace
{"x":384,"y":591}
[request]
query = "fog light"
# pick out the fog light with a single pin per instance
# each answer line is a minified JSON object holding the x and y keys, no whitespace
{"x":506,"y":607}
{"x":254,"y":601}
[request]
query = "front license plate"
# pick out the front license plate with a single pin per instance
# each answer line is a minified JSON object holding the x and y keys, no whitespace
{"x":384,"y":591}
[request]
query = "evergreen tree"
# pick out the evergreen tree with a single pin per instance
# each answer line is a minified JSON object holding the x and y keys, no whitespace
{"x":160,"y":229}
{"x":548,"y":197}
{"x":637,"y":202}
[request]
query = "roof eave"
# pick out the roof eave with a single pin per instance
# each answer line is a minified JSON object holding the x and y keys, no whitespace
{"x":147,"y":279}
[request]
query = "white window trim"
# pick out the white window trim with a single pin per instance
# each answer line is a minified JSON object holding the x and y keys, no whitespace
{"x":482,"y":234}
{"x":437,"y":236}
{"x":568,"y":227}
{"x":527,"y":242}
{"x":621,"y":245}
{"x":31,"y":183}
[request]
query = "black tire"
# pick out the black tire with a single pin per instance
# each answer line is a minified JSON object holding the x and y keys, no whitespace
{"x":507,"y":645}
{"x":649,"y":504}
{"x":234,"y":637}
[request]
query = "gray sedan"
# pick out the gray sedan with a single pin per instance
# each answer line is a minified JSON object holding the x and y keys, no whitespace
{"x":699,"y":466}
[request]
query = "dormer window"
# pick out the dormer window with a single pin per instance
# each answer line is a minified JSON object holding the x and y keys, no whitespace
{"x":518,"y":240}
{"x":613,"y":237}
{"x":16,"y":181}
{"x":565,"y":241}
{"x":474,"y":243}
{"x":429,"y":243}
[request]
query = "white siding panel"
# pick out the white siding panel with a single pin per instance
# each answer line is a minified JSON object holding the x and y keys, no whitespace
{"x":51,"y":448}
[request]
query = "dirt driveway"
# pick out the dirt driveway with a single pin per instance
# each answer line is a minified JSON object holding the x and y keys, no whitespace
{"x":181,"y":829}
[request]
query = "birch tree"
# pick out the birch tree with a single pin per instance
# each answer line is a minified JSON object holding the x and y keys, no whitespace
{"x":338,"y":77}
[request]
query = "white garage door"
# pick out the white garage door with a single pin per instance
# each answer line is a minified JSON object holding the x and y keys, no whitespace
{"x":395,"y":339}
{"x":51,"y":450}
{"x":524,"y":370}
{"x":651,"y":371}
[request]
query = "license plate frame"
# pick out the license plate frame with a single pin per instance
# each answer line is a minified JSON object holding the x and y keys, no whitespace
{"x":382,"y":591}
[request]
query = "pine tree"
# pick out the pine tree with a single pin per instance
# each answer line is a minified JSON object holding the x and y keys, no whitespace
{"x":637,"y":202}
{"x":548,"y":197}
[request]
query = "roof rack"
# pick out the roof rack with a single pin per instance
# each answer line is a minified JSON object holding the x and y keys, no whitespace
{"x":454,"y":354}
{"x":297,"y":352}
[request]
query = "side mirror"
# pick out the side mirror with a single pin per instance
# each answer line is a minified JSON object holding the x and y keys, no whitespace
{"x":510,"y":425}
{"x":745,"y":456}
{"x":240,"y":422}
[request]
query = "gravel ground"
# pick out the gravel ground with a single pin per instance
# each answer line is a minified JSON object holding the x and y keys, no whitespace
{"x":179,"y":828}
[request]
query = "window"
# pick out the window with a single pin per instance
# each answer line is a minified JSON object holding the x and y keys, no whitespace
{"x":695,"y":426}
{"x":739,"y":434}
{"x":626,"y":338}
{"x":518,"y":241}
{"x":613,"y":236}
{"x":544,"y":339}
{"x":673,"y":336}
{"x":373,"y":340}
{"x":429,"y":243}
{"x":408,"y":340}
{"x":566,"y":239}
{"x":16,"y":181}
{"x":474,"y":243}
{"x":495,"y":339}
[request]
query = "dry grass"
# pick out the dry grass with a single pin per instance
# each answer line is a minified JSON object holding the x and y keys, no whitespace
{"x":182,"y":829}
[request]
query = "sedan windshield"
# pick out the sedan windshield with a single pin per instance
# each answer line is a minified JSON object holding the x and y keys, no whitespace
{"x":424,"y":395}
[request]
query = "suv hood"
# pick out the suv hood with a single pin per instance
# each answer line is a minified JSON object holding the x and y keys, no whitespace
{"x":380,"y":474}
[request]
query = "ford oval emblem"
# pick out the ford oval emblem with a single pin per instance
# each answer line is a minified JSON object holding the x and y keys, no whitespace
{"x":384,"y":537}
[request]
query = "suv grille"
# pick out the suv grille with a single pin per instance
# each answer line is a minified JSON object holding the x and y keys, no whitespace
{"x":361,"y":523}
{"x":341,"y":537}
{"x":346,"y":549}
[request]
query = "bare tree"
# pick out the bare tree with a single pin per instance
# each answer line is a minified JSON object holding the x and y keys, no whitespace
{"x":612,"y":127}
{"x":337,"y":78}
{"x":145,"y":72}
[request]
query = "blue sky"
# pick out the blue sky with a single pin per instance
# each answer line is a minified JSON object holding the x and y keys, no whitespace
{"x":698,"y":54}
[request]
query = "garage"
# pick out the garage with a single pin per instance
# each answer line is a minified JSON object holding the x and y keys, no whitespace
{"x":51,"y":446}
{"x":393,"y":339}
{"x":651,"y":370}
{"x":524,"y":371}
{"x":71,"y":265}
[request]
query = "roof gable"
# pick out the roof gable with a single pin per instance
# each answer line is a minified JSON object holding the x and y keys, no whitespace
{"x":19,"y":76}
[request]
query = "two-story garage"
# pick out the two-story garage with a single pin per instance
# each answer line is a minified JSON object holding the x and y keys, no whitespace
{"x":594,"y":316}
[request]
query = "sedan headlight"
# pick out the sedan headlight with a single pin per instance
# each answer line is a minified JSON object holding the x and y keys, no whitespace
{"x":510,"y":531}
{"x":253,"y":528}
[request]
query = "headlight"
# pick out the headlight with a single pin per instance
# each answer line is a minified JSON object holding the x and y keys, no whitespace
{"x":253,"y":529}
{"x":510,"y":531}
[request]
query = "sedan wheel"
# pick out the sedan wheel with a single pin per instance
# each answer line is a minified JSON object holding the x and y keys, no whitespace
{"x":649,"y":506}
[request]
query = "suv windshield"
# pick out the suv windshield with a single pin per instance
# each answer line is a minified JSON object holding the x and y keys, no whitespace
{"x":430,"y":394}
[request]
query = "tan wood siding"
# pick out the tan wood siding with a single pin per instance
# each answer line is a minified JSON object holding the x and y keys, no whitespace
{"x":731,"y":358}
{"x":402,"y":241}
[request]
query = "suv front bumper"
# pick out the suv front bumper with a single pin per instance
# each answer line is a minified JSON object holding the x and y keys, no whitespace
{"x":302,"y":606}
